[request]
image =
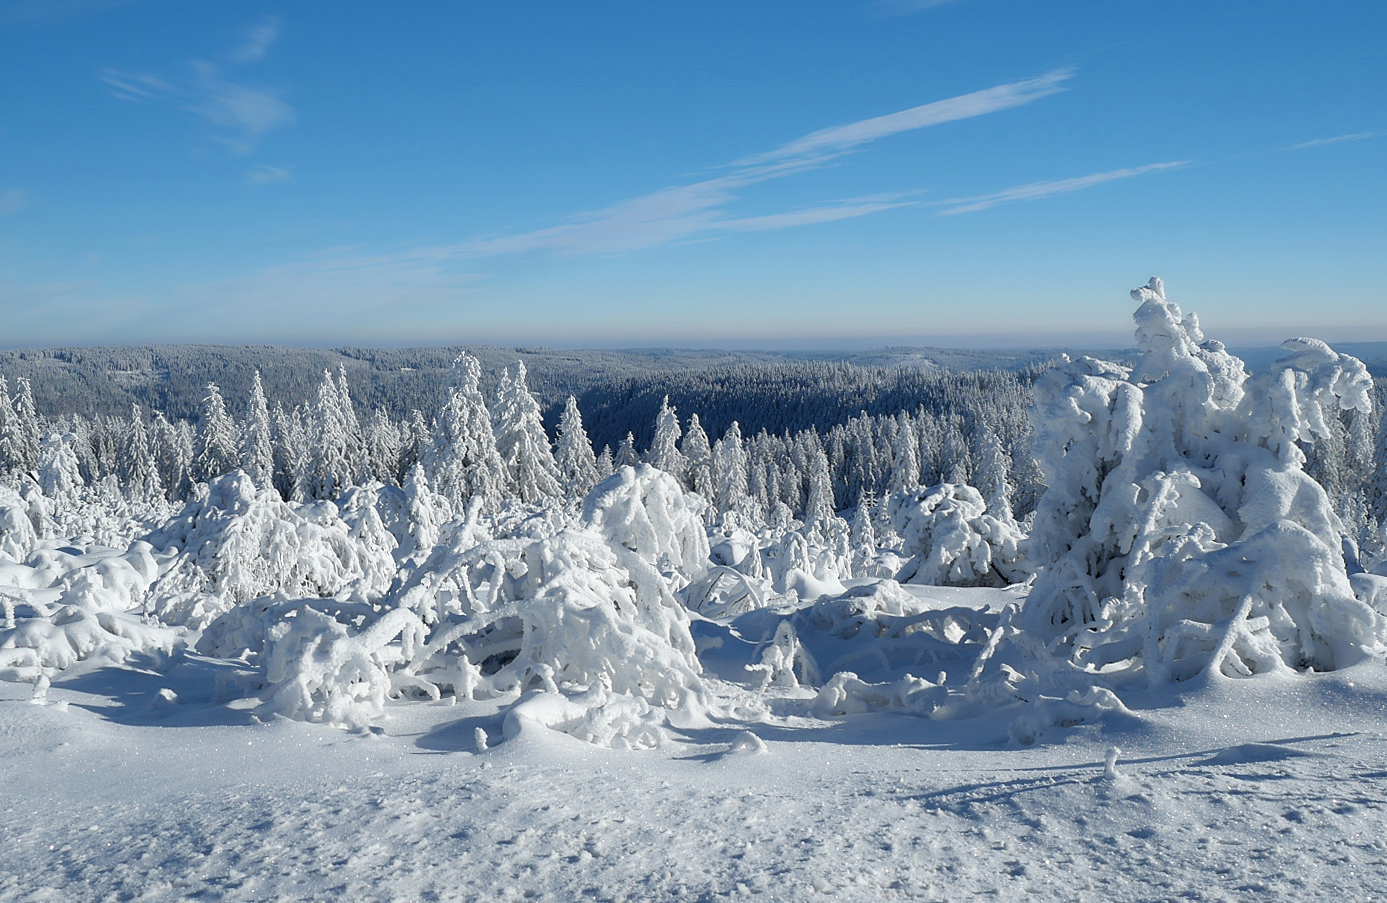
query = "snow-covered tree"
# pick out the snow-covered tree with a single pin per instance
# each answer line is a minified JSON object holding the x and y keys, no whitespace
{"x":462,"y":462}
{"x":217,"y":449}
{"x":531,"y":474}
{"x":1179,"y":533}
{"x":626,"y":455}
{"x":329,"y":466}
{"x":383,"y":448}
{"x":905,"y":458}
{"x":729,"y":466}
{"x":576,"y":463}
{"x":138,"y":469}
{"x":23,"y":439}
{"x":257,"y":442}
{"x":699,"y":455}
{"x":664,"y":448}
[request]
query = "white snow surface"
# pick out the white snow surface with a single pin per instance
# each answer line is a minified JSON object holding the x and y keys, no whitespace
{"x":133,"y":784}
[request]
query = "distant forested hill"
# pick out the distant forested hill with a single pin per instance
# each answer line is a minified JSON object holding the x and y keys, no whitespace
{"x":617,"y":390}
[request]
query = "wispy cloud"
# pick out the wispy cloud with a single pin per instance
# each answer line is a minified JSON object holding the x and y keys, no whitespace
{"x":843,"y":138}
{"x":700,"y":208}
{"x":241,"y":114}
{"x":1037,"y":190}
{"x":13,"y":201}
{"x":1337,"y":139}
{"x":265,"y":174}
{"x":256,"y":41}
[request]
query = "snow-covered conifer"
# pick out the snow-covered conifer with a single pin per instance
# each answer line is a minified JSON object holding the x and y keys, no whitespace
{"x":905,"y":457}
{"x":328,"y":469}
{"x":531,"y":472}
{"x":818,"y":505}
{"x":1180,"y":534}
{"x":699,"y":455}
{"x":173,"y":454}
{"x":729,"y":466}
{"x":626,"y":453}
{"x":383,"y":445}
{"x":138,"y":469}
{"x":27,"y":430}
{"x":462,"y":462}
{"x":217,"y":448}
{"x":664,"y":449}
{"x":257,"y":443}
{"x":576,"y":462}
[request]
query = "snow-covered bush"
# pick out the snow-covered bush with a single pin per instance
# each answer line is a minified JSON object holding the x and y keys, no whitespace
{"x":61,"y":608}
{"x":952,"y":540}
{"x":1179,"y":531}
{"x":233,"y":543}
{"x":573,"y":609}
{"x":645,"y":510}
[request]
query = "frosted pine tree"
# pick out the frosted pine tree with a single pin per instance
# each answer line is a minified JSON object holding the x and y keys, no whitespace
{"x":576,"y":462}
{"x":462,"y":462}
{"x":991,"y":477}
{"x":290,"y":453}
{"x":905,"y":458}
{"x":27,"y":430}
{"x":383,"y":445}
{"x":699,"y":455}
{"x":531,"y":472}
{"x":606,"y":465}
{"x":818,"y":505}
{"x":626,"y":453}
{"x":729,"y":471}
{"x":664,"y":449}
{"x":173,"y":455}
{"x":217,"y":448}
{"x":9,"y":456}
{"x":138,"y":469}
{"x":1180,"y":534}
{"x":329,"y":467}
{"x":358,"y":467}
{"x":257,"y":443}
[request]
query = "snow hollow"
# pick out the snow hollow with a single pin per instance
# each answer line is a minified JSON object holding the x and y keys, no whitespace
{"x":1095,"y":630}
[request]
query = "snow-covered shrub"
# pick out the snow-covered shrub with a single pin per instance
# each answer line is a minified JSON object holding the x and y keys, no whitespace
{"x":645,"y":510}
{"x":1179,"y":531}
{"x":951,"y":538}
{"x":848,"y":694}
{"x":318,"y":670}
{"x":570,"y":610}
{"x":233,"y":543}
{"x":17,"y":534}
{"x":61,"y":608}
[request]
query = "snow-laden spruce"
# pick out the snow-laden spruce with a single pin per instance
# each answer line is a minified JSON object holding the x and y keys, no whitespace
{"x":1179,"y":532}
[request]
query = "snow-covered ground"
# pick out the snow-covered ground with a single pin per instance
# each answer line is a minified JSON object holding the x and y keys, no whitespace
{"x":1269,"y":789}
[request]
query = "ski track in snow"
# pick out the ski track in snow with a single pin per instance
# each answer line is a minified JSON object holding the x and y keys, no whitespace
{"x":138,"y":804}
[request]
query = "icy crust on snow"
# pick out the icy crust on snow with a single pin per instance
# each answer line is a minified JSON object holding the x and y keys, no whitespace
{"x":1179,"y":533}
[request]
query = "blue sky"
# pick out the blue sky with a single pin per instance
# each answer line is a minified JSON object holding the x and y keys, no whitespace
{"x":776,"y":174}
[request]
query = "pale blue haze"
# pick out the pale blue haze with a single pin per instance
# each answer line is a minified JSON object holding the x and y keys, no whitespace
{"x":753,"y":173}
